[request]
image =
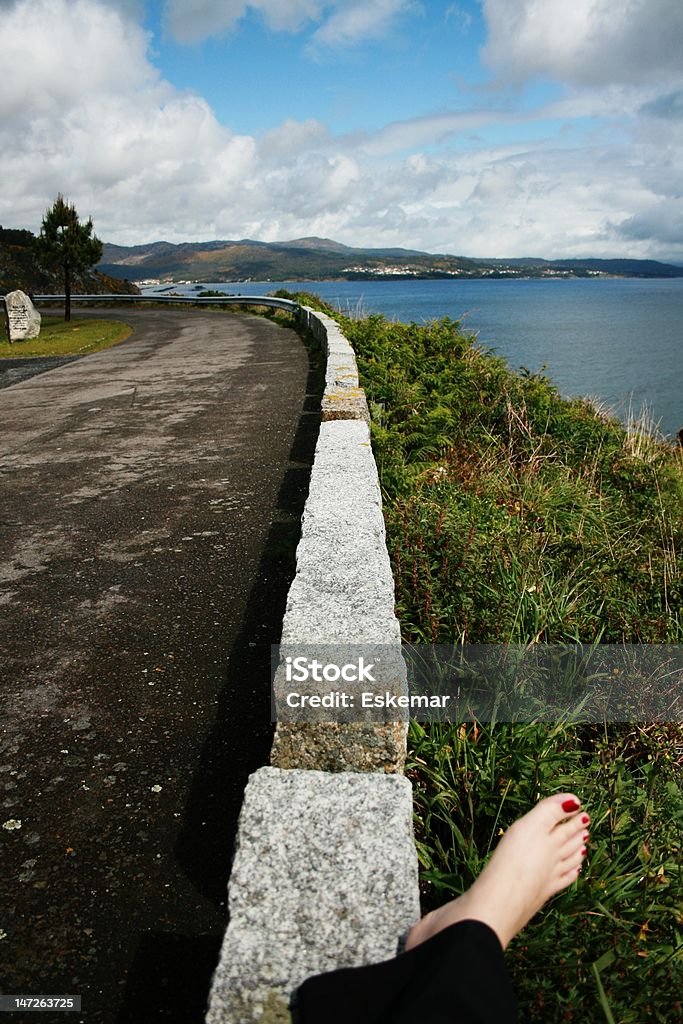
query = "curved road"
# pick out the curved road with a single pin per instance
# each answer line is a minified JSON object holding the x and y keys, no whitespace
{"x":150,"y":504}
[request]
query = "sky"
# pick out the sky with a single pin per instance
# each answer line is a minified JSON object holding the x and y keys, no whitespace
{"x":481,"y":128}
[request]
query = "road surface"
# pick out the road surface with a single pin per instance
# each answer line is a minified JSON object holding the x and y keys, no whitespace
{"x":150,"y":503}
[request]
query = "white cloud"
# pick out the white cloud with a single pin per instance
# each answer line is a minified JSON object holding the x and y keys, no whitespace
{"x":669,"y":107}
{"x":85,"y":112}
{"x":190,"y":23}
{"x":133,"y":8}
{"x":341,"y":23}
{"x":586,"y":42}
{"x":289,"y":15}
{"x":662,"y":220}
{"x":426,"y":130}
{"x":52,"y":54}
{"x":461,"y":17}
{"x":359,"y":21}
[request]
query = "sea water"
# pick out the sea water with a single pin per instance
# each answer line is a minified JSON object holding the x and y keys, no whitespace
{"x":618,"y":341}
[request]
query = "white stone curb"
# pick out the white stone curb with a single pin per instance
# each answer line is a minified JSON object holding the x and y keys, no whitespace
{"x":325,"y":870}
{"x":325,"y":876}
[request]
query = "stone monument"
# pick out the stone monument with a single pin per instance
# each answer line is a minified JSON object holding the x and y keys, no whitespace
{"x":22,"y":316}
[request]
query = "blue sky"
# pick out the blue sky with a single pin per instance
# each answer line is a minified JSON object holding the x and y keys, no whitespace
{"x":482,"y":127}
{"x":255,"y":77}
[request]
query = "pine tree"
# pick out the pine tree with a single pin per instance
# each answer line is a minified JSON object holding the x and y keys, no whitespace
{"x":66,"y":243}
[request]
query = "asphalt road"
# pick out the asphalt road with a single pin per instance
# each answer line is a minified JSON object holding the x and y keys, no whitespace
{"x":12,"y":371}
{"x":150,"y":503}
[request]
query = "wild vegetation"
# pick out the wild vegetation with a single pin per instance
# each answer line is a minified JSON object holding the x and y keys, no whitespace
{"x":67,"y":244}
{"x":516,"y":516}
{"x":19,"y":268}
{"x":78,"y":337}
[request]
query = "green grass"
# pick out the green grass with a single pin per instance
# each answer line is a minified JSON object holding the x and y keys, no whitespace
{"x":59,"y":338}
{"x":614,"y":938}
{"x":514,"y":515}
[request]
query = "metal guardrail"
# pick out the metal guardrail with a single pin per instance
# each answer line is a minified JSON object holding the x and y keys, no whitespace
{"x":301,"y":313}
{"x":192,"y":300}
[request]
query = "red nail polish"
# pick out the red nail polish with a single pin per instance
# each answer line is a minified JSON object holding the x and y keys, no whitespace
{"x":584,"y":819}
{"x":584,"y":851}
{"x":570,"y":805}
{"x":585,"y":836}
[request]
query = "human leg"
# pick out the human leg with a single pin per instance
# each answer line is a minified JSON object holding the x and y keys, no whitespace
{"x":453,"y":970}
{"x":539,"y":855}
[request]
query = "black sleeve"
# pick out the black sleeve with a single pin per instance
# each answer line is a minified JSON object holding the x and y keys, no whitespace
{"x":456,"y":977}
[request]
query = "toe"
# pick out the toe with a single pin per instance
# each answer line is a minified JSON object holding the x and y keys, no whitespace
{"x":560,"y":806}
{"x":571,"y":867}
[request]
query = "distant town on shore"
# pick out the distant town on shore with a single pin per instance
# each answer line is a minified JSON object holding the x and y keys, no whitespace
{"x":319,"y":259}
{"x":126,"y":268}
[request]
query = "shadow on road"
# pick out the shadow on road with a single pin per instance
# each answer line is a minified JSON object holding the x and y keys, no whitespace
{"x":170,"y":977}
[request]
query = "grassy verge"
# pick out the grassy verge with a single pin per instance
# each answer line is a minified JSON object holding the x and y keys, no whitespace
{"x":514,"y":515}
{"x":609,"y":948}
{"x":58,"y":338}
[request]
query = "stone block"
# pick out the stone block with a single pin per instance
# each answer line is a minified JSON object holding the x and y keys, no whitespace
{"x":325,"y":876}
{"x":343,"y":399}
{"x":22,"y":316}
{"x":344,"y":403}
{"x":342,"y":595}
{"x":342,"y":553}
{"x":343,"y":590}
{"x":340,"y":746}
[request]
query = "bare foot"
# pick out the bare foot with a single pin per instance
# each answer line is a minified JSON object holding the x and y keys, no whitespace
{"x":538,"y":856}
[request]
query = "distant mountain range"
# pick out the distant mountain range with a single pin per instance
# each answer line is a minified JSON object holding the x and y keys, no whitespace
{"x":301,"y":259}
{"x":314,"y":259}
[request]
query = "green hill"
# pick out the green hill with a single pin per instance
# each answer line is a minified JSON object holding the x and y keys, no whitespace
{"x":18,"y":269}
{"x":322,"y":258}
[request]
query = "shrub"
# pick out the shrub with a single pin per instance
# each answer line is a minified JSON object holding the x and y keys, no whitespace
{"x":515,"y":515}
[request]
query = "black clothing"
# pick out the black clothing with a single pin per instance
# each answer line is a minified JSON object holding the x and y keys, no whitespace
{"x":456,"y":977}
